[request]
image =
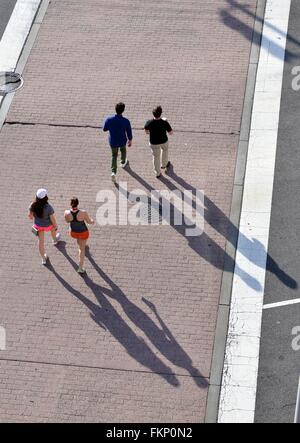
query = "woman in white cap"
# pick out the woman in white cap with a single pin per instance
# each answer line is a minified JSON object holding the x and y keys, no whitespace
{"x":42,"y":213}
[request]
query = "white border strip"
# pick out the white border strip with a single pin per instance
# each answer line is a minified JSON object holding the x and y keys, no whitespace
{"x":282,"y":303}
{"x":16,"y":33}
{"x":239,"y":383}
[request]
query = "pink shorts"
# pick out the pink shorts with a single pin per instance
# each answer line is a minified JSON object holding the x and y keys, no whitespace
{"x":42,"y":228}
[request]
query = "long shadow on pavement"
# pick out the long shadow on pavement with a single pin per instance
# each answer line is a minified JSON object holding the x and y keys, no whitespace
{"x":105,"y":315}
{"x":222,"y":224}
{"x":161,"y":338}
{"x":250,"y":34}
{"x":203,"y":245}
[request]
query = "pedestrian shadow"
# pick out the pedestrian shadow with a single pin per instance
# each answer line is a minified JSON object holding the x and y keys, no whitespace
{"x":203,"y":245}
{"x":106,"y":316}
{"x":234,"y":23}
{"x":161,"y":337}
{"x":222,"y":224}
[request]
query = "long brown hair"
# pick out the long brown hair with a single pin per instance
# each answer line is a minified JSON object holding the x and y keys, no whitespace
{"x":37,"y":207}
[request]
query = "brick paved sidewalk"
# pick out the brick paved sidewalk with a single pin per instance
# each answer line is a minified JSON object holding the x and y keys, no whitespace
{"x":93,"y":349}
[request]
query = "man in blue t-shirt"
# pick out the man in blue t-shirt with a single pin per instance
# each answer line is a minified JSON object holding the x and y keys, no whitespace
{"x":120,"y":134}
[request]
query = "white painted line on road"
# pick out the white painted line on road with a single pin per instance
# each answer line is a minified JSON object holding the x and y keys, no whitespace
{"x":16,"y":33}
{"x":282,"y":303}
{"x":239,"y":383}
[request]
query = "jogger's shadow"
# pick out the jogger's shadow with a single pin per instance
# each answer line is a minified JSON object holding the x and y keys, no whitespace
{"x":105,"y":316}
{"x":108,"y":318}
{"x":161,"y":337}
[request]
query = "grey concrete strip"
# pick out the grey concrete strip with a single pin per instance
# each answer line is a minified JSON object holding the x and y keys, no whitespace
{"x":27,"y":48}
{"x":41,"y":12}
{"x":260,"y":12}
{"x":217,"y":365}
{"x":217,"y":362}
{"x":254,"y":55}
{"x":4,"y":108}
{"x":225,"y":292}
{"x":6,"y":102}
{"x":32,"y":35}
{"x":226,"y":286}
{"x":241,"y":162}
{"x":212,"y":404}
{"x":248,"y":102}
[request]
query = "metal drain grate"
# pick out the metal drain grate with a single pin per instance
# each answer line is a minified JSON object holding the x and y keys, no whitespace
{"x":147,"y":210}
{"x":10,"y":82}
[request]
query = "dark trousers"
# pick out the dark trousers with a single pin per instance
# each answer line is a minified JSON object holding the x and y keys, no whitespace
{"x":114,"y":157}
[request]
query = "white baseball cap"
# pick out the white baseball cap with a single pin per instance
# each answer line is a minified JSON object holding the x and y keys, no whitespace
{"x":41,"y":193}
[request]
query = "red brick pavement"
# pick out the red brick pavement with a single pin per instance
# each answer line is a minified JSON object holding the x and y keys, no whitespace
{"x":93,"y":350}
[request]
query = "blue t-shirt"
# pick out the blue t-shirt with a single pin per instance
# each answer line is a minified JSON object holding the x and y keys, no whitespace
{"x":119,"y":129}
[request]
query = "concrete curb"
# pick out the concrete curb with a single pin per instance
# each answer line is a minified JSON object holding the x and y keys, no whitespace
{"x":237,"y":195}
{"x":7,"y":100}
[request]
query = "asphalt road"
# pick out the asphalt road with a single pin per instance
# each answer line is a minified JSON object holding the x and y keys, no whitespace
{"x":6,"y":8}
{"x":279,"y":365}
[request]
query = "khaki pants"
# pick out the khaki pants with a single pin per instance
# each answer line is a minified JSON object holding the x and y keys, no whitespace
{"x":160,"y":156}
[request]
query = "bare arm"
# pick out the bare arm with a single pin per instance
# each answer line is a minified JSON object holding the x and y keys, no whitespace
{"x":88,"y":219}
{"x":67,"y":216}
{"x":169,"y":128}
{"x":146,"y":127}
{"x":53,"y":221}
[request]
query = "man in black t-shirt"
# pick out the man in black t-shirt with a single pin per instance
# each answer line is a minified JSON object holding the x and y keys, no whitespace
{"x":159,"y":128}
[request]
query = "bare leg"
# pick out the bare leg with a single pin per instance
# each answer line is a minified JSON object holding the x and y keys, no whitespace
{"x":41,"y":239}
{"x":53,"y":234}
{"x":81,"y":244}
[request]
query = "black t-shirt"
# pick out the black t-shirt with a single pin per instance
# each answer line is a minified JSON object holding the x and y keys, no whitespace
{"x":158,"y":131}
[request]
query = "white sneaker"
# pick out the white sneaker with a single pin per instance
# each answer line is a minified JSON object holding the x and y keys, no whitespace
{"x":58,"y":237}
{"x":81,"y":270}
{"x":125,"y":163}
{"x":44,"y":259}
{"x":113,"y":177}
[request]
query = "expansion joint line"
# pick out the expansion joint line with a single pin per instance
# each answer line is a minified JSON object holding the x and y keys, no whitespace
{"x":66,"y":125}
{"x":73,"y":365}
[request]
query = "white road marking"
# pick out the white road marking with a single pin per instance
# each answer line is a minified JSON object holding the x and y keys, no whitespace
{"x":239,"y":383}
{"x":282,"y":303}
{"x":16,"y":32}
